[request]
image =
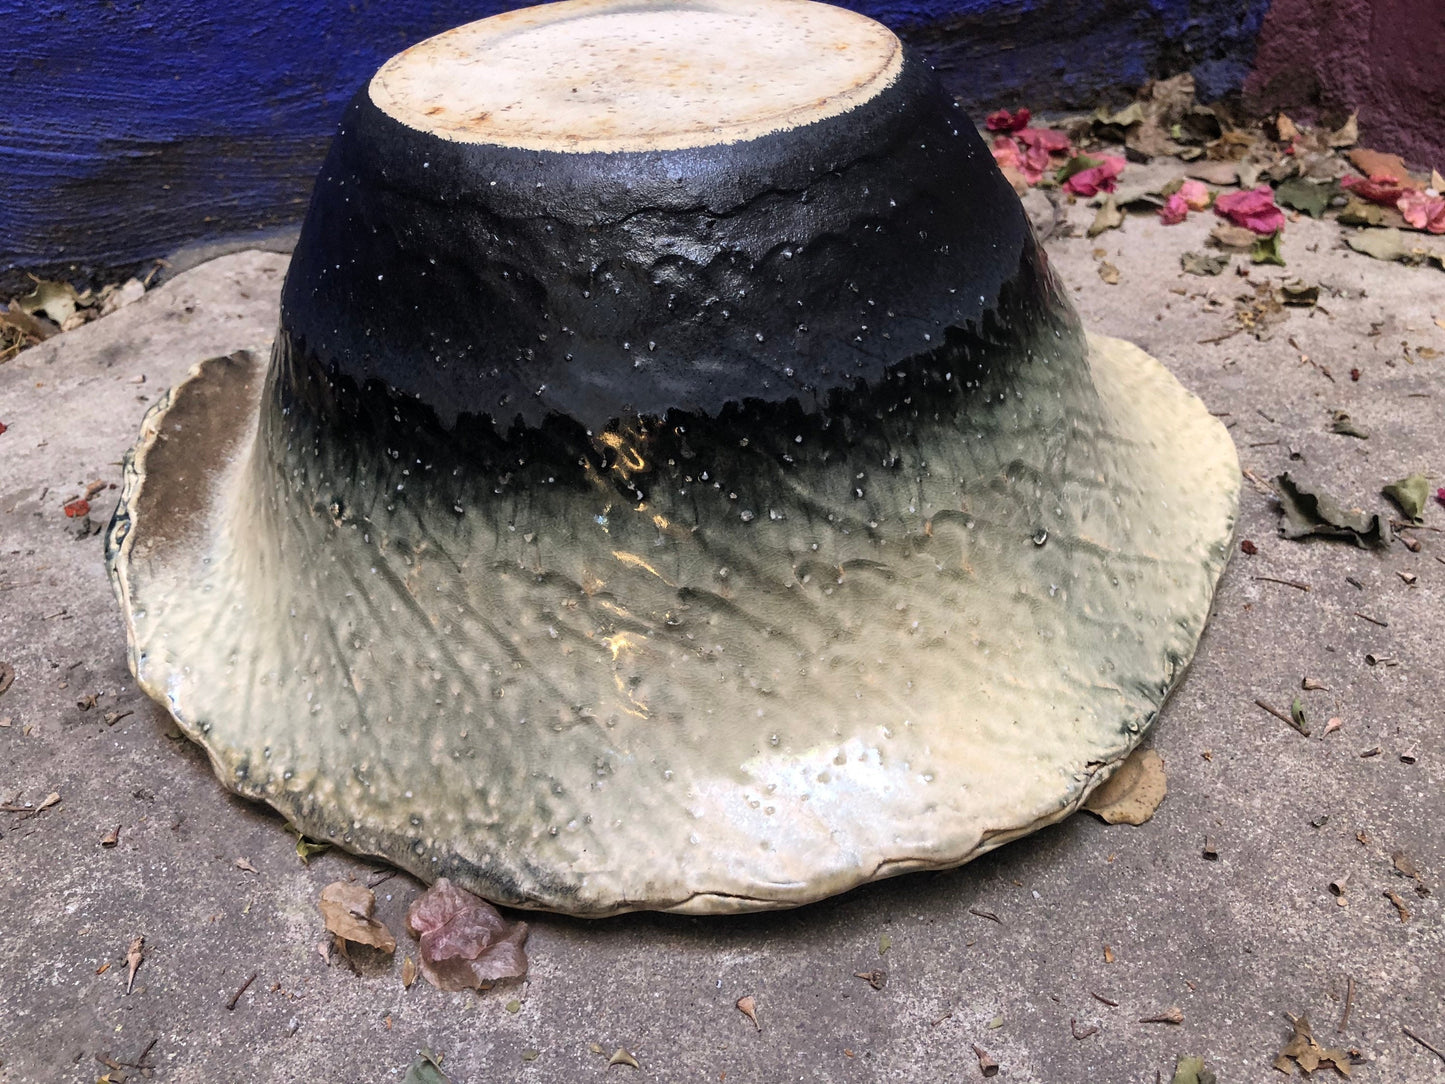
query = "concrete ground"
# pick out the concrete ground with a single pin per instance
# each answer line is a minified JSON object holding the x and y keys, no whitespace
{"x":1047,"y":954}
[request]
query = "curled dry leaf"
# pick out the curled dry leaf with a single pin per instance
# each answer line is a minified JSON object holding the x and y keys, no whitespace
{"x":1133,"y":792}
{"x":465,"y":942}
{"x":1307,"y":1053}
{"x":408,"y":973}
{"x":748,"y":1006}
{"x":346,"y":909}
{"x":133,"y":957}
{"x":986,"y":1065}
{"x":623,"y":1056}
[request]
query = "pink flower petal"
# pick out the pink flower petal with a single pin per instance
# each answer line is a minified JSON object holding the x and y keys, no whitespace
{"x":1380,"y":188}
{"x":1096,"y":179}
{"x":1050,"y":140}
{"x":1174,"y":211}
{"x":1254,"y":210}
{"x":1195,"y":194}
{"x":1004,"y":121}
{"x":1423,"y":211}
{"x":465,"y":941}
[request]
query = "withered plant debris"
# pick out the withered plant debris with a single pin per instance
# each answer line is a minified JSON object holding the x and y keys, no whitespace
{"x":133,"y":957}
{"x":408,"y":973}
{"x":986,"y":1065}
{"x":1203,"y":263}
{"x":623,"y":1056}
{"x":1394,"y":897}
{"x":1346,"y":426}
{"x":7,"y":677}
{"x":1308,"y":1055}
{"x":1409,"y":495}
{"x":748,"y":1006}
{"x":1133,"y":792}
{"x":465,"y":942}
{"x":1306,"y":512}
{"x":111,"y":838}
{"x":346,"y":908}
{"x":877,"y":978}
{"x":1172,"y":1015}
{"x":1301,"y":294}
{"x":1286,"y":717}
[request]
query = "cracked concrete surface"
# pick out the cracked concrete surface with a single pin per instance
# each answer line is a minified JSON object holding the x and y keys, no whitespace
{"x":1234,"y":943}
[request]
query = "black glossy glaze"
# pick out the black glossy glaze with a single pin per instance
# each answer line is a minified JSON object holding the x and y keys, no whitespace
{"x":522,"y":286}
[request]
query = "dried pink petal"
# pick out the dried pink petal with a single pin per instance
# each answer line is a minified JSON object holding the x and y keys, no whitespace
{"x":1096,"y":179}
{"x":464,"y":941}
{"x":1174,"y":211}
{"x":1423,"y":211}
{"x":1194,"y":194}
{"x":1380,"y":188}
{"x":1004,"y":121}
{"x":1046,"y":138}
{"x":1254,"y":210}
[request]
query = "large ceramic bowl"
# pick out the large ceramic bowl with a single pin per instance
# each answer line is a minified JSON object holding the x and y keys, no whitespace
{"x":679,"y":481}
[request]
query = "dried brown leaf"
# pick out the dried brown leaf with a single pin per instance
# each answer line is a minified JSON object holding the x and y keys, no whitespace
{"x":408,"y":973}
{"x":465,"y":942}
{"x":749,"y":1008}
{"x":1307,"y":1053}
{"x":1133,"y":792}
{"x":346,"y":908}
{"x":133,"y":957}
{"x":622,"y":1056}
{"x":986,"y":1065}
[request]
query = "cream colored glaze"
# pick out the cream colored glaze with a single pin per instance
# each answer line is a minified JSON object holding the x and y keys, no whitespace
{"x":407,"y":683}
{"x":617,"y":75}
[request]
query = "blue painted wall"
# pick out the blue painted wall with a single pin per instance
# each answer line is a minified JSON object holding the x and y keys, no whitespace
{"x":132,"y":126}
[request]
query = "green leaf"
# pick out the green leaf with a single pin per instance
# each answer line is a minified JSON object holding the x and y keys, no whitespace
{"x":306,"y":848}
{"x":1192,"y":1071}
{"x":1410,"y":495}
{"x":1311,"y":197}
{"x":1266,"y":249}
{"x":1297,"y":716}
{"x":427,"y":1069}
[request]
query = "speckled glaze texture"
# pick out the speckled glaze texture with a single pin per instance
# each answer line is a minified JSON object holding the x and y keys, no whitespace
{"x":778,"y":534}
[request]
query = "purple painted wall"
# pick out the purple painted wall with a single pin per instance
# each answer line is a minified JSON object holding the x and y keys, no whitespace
{"x":1386,"y":58}
{"x":134,"y":126}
